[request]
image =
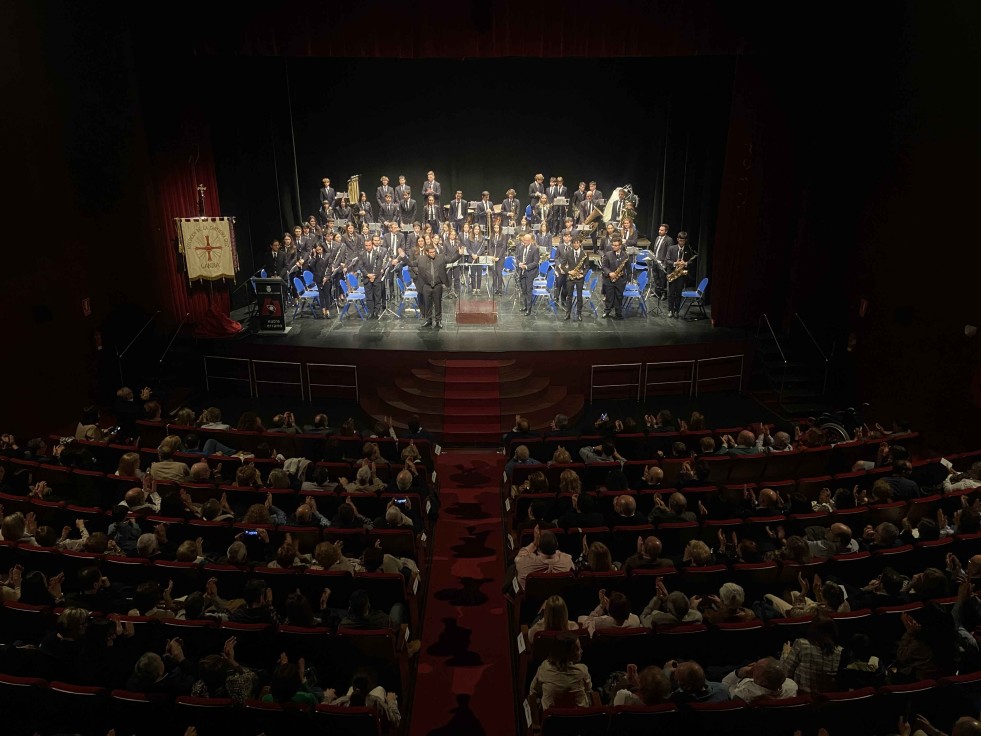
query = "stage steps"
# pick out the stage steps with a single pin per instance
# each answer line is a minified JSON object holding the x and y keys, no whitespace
{"x":471,"y":402}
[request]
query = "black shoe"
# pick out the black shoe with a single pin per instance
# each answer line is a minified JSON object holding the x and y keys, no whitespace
{"x":579,"y":318}
{"x":568,"y":315}
{"x":438,"y":326}
{"x":618,"y":316}
{"x":427,"y":323}
{"x":606,"y":315}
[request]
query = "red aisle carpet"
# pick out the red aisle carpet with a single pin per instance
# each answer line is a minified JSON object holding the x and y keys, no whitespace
{"x":471,"y":402}
{"x":464,"y":686}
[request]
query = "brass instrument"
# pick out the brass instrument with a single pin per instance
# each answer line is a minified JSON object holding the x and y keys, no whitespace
{"x":680,"y":271}
{"x":353,"y":191}
{"x":614,"y":275}
{"x":577,"y":273}
{"x":594,"y":215}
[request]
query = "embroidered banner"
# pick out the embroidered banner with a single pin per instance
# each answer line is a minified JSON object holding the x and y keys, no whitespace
{"x":208,"y":245}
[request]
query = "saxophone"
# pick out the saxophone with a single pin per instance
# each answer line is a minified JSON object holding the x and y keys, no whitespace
{"x":614,"y":275}
{"x":680,"y":271}
{"x":576,"y":273}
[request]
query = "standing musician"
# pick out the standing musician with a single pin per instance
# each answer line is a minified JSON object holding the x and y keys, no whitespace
{"x":371,"y":266}
{"x":476,"y":247}
{"x":407,"y":207}
{"x":527,"y":260}
{"x":541,"y":211}
{"x":389,"y":211}
{"x":333,"y":249}
{"x":321,"y":267}
{"x":676,"y":257}
{"x":431,"y":277}
{"x":453,"y":244}
{"x":432,"y":213}
{"x":523,"y":227}
{"x":537,"y":188}
{"x":431,"y":186}
{"x":619,"y":205}
{"x":363,"y":213}
{"x":558,"y":211}
{"x":393,"y":238}
{"x":575,"y":275}
{"x":497,"y":248}
{"x":561,"y":272}
{"x":326,"y":193}
{"x":578,"y":197}
{"x":484,"y":211}
{"x":343,"y":210}
{"x":511,"y":208}
{"x":291,"y":256}
{"x":458,"y":211}
{"x":659,"y":247}
{"x":384,"y":191}
{"x":615,"y":264}
{"x":401,"y":189}
{"x":298,"y":241}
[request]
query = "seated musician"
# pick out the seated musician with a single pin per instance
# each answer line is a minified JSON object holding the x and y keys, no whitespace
{"x":363,"y":212}
{"x":542,"y":210}
{"x":343,"y":210}
{"x":585,"y":208}
{"x":629,"y":234}
{"x":325,"y":215}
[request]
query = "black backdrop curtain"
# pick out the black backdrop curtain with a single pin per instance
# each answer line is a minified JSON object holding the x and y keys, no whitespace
{"x":659,"y":124}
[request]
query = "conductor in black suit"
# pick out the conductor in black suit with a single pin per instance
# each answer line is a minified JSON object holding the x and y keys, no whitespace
{"x":526,"y":261}
{"x":431,"y":278}
{"x":613,"y":283}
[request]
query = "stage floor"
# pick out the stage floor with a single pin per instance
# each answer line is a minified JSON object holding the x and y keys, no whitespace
{"x":513,"y":331}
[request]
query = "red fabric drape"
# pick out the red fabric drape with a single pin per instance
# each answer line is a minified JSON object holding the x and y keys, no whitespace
{"x":178,"y":168}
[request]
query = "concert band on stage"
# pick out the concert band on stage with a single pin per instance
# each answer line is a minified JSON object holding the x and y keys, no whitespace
{"x":375,"y":238}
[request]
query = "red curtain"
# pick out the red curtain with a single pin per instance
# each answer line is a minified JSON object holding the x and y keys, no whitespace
{"x":178,"y":167}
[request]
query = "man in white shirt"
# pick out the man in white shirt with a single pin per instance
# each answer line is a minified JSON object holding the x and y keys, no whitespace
{"x":764,"y":678}
{"x":542,"y":555}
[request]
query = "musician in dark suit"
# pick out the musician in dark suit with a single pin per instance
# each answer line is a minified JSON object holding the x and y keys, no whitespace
{"x":615,"y":260}
{"x":526,"y":260}
{"x":407,"y":208}
{"x":401,"y":189}
{"x":570,"y":262}
{"x":475,"y":247}
{"x":603,"y":242}
{"x":561,"y":272}
{"x":537,"y":188}
{"x":389,"y":211}
{"x":558,"y":211}
{"x":363,"y":212}
{"x":326,"y":214}
{"x":458,"y":211}
{"x":320,"y":265}
{"x":619,"y":206}
{"x":511,"y":206}
{"x":597,"y":194}
{"x":629,"y":234}
{"x":371,"y":267}
{"x":497,"y":248}
{"x":543,"y":238}
{"x":659,"y":248}
{"x":432,"y":213}
{"x":431,"y":278}
{"x":541,"y":211}
{"x":275,"y":261}
{"x":431,"y":186}
{"x":327,"y":193}
{"x":578,"y":196}
{"x":343,"y":209}
{"x":585,"y":209}
{"x":676,"y":256}
{"x":392,"y":240}
{"x":383,"y":191}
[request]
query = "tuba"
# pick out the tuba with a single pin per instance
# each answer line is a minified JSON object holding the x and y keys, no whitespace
{"x":594,"y":215}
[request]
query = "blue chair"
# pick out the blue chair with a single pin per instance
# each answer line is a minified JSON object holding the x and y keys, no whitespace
{"x":508,"y":273}
{"x":634,"y":291}
{"x":308,"y":279}
{"x":697,"y":298}
{"x":544,"y":267}
{"x":541,"y":291}
{"x":588,"y":286}
{"x":352,"y":297}
{"x":410,"y":297}
{"x":640,"y":262}
{"x":352,"y":280}
{"x":407,"y":277}
{"x":305,"y":298}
